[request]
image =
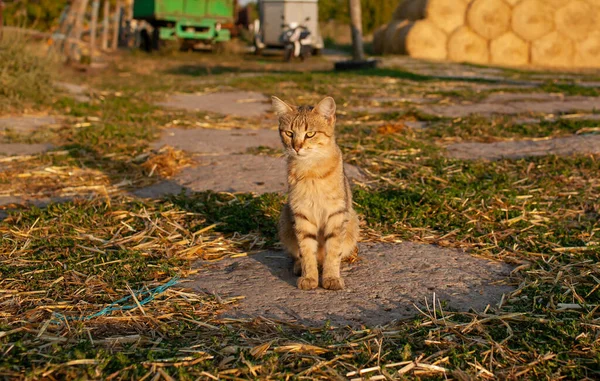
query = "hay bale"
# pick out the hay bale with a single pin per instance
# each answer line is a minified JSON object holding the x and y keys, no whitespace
{"x":575,"y":20}
{"x":424,"y":40}
{"x":411,"y":10}
{"x":532,"y":19}
{"x":509,"y":50}
{"x":378,"y":39}
{"x":489,"y":18}
{"x":555,"y":4}
{"x":399,"y":40}
{"x":587,"y":52}
{"x":464,"y":45}
{"x":391,"y":31}
{"x":554,"y":49}
{"x":446,"y":14}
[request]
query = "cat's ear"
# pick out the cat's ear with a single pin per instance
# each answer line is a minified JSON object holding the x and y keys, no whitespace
{"x":326,"y":108}
{"x":280,"y":107}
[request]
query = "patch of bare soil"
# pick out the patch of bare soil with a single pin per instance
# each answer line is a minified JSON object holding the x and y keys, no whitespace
{"x":236,"y":103}
{"x":204,"y":140}
{"x":231,"y":173}
{"x":222,"y":164}
{"x":579,"y":144}
{"x":78,"y":92}
{"x":506,"y":103}
{"x":12,"y":149}
{"x":381,"y":287}
{"x":26,"y":123}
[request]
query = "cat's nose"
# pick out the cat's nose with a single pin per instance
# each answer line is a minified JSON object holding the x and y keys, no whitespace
{"x":297,"y":148}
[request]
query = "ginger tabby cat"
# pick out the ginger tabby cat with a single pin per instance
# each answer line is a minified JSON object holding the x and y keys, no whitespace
{"x":318,"y":225}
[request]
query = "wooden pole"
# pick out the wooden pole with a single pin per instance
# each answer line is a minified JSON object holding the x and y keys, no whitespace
{"x":116,"y":26}
{"x":105,"y":24}
{"x":358,"y":53}
{"x":78,"y":29}
{"x":95,"y":9}
{"x":1,"y":17}
{"x":80,"y":18}
{"x":69,"y":28}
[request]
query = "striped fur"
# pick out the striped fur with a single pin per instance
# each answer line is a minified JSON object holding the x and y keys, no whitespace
{"x":318,"y":225}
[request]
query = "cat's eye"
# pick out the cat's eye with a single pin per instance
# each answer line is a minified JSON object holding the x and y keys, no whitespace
{"x":289,"y":133}
{"x":310,"y":134}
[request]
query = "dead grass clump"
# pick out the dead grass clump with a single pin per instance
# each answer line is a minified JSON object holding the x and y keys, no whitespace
{"x":167,"y":162}
{"x":25,"y":75}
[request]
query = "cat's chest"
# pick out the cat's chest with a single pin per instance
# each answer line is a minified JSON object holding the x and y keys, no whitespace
{"x":316,"y":196}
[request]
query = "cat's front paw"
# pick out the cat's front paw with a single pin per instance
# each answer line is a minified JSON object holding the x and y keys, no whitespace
{"x":333,"y":283}
{"x":305,"y":283}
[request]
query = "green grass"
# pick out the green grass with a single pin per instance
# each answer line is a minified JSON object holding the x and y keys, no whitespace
{"x":25,"y":74}
{"x":484,"y":129}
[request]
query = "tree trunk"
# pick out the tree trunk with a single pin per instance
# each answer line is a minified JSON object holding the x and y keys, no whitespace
{"x":1,"y":18}
{"x":75,"y":39}
{"x":117,"y":26}
{"x":105,"y":24}
{"x":93,"y":26}
{"x":356,"y":27}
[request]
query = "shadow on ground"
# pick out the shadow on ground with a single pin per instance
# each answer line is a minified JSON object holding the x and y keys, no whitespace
{"x":384,"y":285}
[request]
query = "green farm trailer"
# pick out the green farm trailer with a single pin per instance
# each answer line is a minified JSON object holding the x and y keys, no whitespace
{"x":189,"y":21}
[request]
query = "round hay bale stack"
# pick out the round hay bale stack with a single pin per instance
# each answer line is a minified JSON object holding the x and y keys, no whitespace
{"x":489,"y":18}
{"x":509,"y":50}
{"x":575,"y":20}
{"x":424,"y":40}
{"x":399,"y":39}
{"x":446,"y":14}
{"x":464,"y":45}
{"x":388,"y":42}
{"x":532,"y":19}
{"x":587,"y":52}
{"x":554,"y":49}
{"x":410,"y":10}
{"x":378,"y":39}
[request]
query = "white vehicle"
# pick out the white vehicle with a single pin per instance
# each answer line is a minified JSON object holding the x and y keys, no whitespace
{"x":269,"y":28}
{"x":297,"y":41}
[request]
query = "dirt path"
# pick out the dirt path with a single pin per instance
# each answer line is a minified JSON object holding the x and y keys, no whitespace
{"x":579,"y":144}
{"x":238,"y":103}
{"x":381,"y":287}
{"x":222,"y":163}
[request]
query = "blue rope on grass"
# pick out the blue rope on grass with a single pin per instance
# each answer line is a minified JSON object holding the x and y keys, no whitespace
{"x":111,"y":307}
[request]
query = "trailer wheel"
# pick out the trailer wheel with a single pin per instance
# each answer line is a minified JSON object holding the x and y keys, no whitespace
{"x":156,"y":38}
{"x":145,"y":41}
